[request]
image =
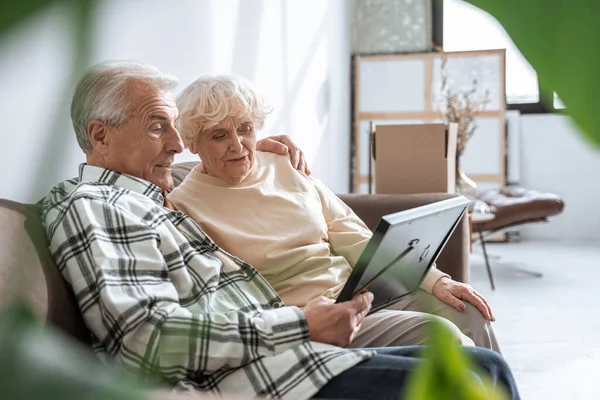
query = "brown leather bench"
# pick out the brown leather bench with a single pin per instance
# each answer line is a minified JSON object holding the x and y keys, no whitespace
{"x":513,"y":207}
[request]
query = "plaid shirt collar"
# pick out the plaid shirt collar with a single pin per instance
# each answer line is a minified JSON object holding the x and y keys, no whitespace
{"x":90,"y":173}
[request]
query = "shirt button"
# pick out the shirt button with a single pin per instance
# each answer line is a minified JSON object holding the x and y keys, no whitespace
{"x":179,"y":214}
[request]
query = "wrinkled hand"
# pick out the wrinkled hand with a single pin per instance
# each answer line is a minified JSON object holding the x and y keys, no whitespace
{"x":282,"y":145}
{"x":452,"y":292}
{"x":336,"y":324}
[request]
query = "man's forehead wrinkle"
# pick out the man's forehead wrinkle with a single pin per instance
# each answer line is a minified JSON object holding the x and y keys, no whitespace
{"x":155,"y":107}
{"x":143,"y":98}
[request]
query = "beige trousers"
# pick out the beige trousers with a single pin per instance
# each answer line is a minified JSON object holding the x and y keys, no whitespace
{"x":405,"y":324}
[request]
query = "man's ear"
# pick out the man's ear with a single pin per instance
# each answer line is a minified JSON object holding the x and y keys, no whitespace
{"x":98,"y":135}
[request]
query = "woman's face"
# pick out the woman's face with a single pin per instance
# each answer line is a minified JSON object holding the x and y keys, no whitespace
{"x":227,"y":150}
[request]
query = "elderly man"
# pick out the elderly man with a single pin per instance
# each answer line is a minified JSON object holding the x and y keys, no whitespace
{"x":162,"y":300}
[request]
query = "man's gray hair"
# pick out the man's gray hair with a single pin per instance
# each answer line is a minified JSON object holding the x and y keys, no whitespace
{"x":102,"y":94}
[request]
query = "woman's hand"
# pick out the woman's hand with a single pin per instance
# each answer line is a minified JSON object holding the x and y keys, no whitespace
{"x":283,"y":144}
{"x":452,"y":292}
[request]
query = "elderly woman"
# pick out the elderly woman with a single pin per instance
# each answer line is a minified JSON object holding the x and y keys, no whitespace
{"x":299,"y":235}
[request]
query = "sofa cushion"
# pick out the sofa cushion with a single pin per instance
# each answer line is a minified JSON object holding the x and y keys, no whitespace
{"x":28,"y":272}
{"x":181,"y":170}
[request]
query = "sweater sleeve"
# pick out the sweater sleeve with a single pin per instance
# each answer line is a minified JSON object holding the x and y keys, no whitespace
{"x":348,"y":234}
{"x":431,"y":279}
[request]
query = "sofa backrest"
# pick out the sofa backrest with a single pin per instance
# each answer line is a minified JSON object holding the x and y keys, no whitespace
{"x":28,"y":272}
{"x":180,"y":171}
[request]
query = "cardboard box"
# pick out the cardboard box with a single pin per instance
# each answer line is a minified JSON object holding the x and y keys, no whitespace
{"x":415,"y":158}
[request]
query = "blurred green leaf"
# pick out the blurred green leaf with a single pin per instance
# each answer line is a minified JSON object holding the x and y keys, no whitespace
{"x":15,"y":11}
{"x":82,"y":14}
{"x":559,"y":39}
{"x":38,"y":363}
{"x":446,"y":373}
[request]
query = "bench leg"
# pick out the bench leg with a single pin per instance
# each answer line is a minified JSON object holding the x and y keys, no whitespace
{"x":485,"y":256}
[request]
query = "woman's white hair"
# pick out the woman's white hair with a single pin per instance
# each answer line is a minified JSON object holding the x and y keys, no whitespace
{"x":212,"y":98}
{"x":102,"y":94}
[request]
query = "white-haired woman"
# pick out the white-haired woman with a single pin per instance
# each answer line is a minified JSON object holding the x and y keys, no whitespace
{"x":299,"y":235}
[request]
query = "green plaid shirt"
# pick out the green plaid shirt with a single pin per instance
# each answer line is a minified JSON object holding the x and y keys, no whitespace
{"x":161,"y":299}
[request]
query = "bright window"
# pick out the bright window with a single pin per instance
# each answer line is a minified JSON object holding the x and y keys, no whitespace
{"x":468,"y":28}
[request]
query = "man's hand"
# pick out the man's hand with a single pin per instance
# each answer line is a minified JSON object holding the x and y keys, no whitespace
{"x":283,"y":144}
{"x":452,"y":292}
{"x":336,"y":324}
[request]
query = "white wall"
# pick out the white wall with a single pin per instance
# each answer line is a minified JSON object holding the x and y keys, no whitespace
{"x":295,"y":51}
{"x":555,"y":158}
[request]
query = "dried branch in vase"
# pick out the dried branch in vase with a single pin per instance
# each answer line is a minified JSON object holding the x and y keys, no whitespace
{"x":460,"y":107}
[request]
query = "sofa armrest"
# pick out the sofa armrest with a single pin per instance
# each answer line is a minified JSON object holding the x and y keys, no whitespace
{"x":454,"y":259}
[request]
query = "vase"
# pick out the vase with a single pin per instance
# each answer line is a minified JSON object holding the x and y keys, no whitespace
{"x":464,"y":184}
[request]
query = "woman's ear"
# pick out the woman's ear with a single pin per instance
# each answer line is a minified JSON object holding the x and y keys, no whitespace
{"x":193,"y":148}
{"x":98,"y":135}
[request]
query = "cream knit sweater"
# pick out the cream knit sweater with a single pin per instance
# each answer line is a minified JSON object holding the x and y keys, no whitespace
{"x":289,"y":226}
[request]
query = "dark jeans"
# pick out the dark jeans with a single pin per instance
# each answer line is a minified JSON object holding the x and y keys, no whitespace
{"x":384,"y":376}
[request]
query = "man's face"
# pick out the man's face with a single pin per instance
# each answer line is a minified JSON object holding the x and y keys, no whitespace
{"x":146,"y":144}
